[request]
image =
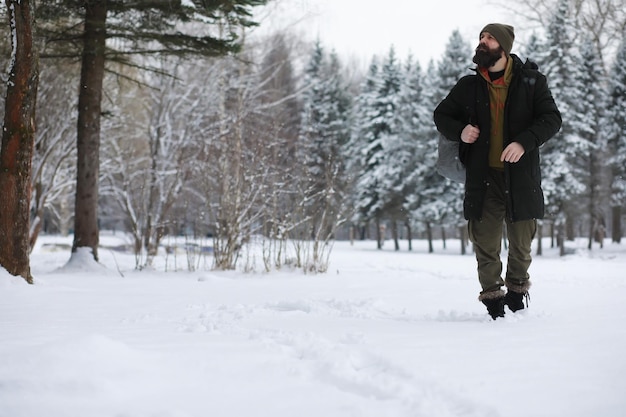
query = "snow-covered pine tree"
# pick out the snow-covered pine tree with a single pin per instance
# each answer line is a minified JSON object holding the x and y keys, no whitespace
{"x":454,"y":64}
{"x":415,"y":130}
{"x":425,"y":200}
{"x":313,"y":111}
{"x":615,"y":123}
{"x":362,"y":147}
{"x":375,"y":131}
{"x":446,"y":198}
{"x":390,"y":173}
{"x":591,"y":85}
{"x":561,"y":182}
{"x":536,"y":51}
{"x":325,"y":131}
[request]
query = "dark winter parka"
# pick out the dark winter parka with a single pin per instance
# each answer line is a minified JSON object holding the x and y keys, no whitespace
{"x":531,"y":117}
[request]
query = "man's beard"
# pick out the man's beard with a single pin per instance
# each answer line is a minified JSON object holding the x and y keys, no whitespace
{"x":485,"y":57}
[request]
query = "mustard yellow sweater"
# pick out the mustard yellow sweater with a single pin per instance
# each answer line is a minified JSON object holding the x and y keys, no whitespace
{"x":498,"y":90}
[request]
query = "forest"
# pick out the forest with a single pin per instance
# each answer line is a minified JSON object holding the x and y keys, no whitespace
{"x":147,"y":128}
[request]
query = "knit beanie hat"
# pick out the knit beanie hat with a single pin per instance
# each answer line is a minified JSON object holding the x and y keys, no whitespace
{"x":503,"y":33}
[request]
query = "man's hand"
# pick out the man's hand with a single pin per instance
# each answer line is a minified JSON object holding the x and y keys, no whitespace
{"x":512,"y":153}
{"x":470,"y":134}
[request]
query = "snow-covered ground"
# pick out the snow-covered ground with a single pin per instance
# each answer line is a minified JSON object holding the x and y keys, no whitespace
{"x":384,"y":333}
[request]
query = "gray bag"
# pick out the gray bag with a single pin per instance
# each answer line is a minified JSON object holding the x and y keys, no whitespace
{"x":449,"y":164}
{"x":450,"y":153}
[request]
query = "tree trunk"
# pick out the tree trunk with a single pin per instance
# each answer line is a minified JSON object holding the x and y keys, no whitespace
{"x":409,"y":234}
{"x":429,"y":236}
{"x":560,"y":238}
{"x":570,"y":233}
{"x":616,"y":224}
{"x":379,"y":237}
{"x":88,"y":130}
{"x":394,"y":232}
{"x":18,"y":139}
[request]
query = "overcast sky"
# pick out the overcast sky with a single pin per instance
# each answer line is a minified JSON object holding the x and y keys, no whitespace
{"x":359,"y":29}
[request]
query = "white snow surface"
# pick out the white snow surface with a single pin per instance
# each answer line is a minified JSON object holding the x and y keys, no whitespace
{"x":384,"y":333}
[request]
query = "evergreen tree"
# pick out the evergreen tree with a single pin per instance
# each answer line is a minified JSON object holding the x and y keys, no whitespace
{"x":324,"y":133}
{"x":426,"y":202}
{"x":445,"y":200}
{"x":364,"y":148}
{"x":535,"y":50}
{"x":454,"y":63}
{"x":414,"y":132}
{"x":591,"y":144}
{"x":379,"y":132}
{"x":562,"y":181}
{"x":615,"y":122}
{"x":391,"y":173}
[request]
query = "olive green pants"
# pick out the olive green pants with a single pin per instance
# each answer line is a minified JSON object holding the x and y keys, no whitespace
{"x":486,"y":236}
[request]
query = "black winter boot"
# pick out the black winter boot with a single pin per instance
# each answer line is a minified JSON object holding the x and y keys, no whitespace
{"x":495,"y":307}
{"x":494,"y":301}
{"x":516,"y":294}
{"x":515,"y":300}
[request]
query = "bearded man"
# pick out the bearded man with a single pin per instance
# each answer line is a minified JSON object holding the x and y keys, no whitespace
{"x":501,"y":116}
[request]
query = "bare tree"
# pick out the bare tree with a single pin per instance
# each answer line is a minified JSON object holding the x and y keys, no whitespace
{"x":247,"y":154}
{"x":240,"y":171}
{"x":168,"y":27}
{"x":147,"y":175}
{"x":18,"y":138}
{"x":54,"y":172}
{"x":279,"y":94}
{"x":604,"y":20}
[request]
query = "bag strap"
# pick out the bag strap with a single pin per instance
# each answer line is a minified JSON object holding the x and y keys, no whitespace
{"x":471,"y":110}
